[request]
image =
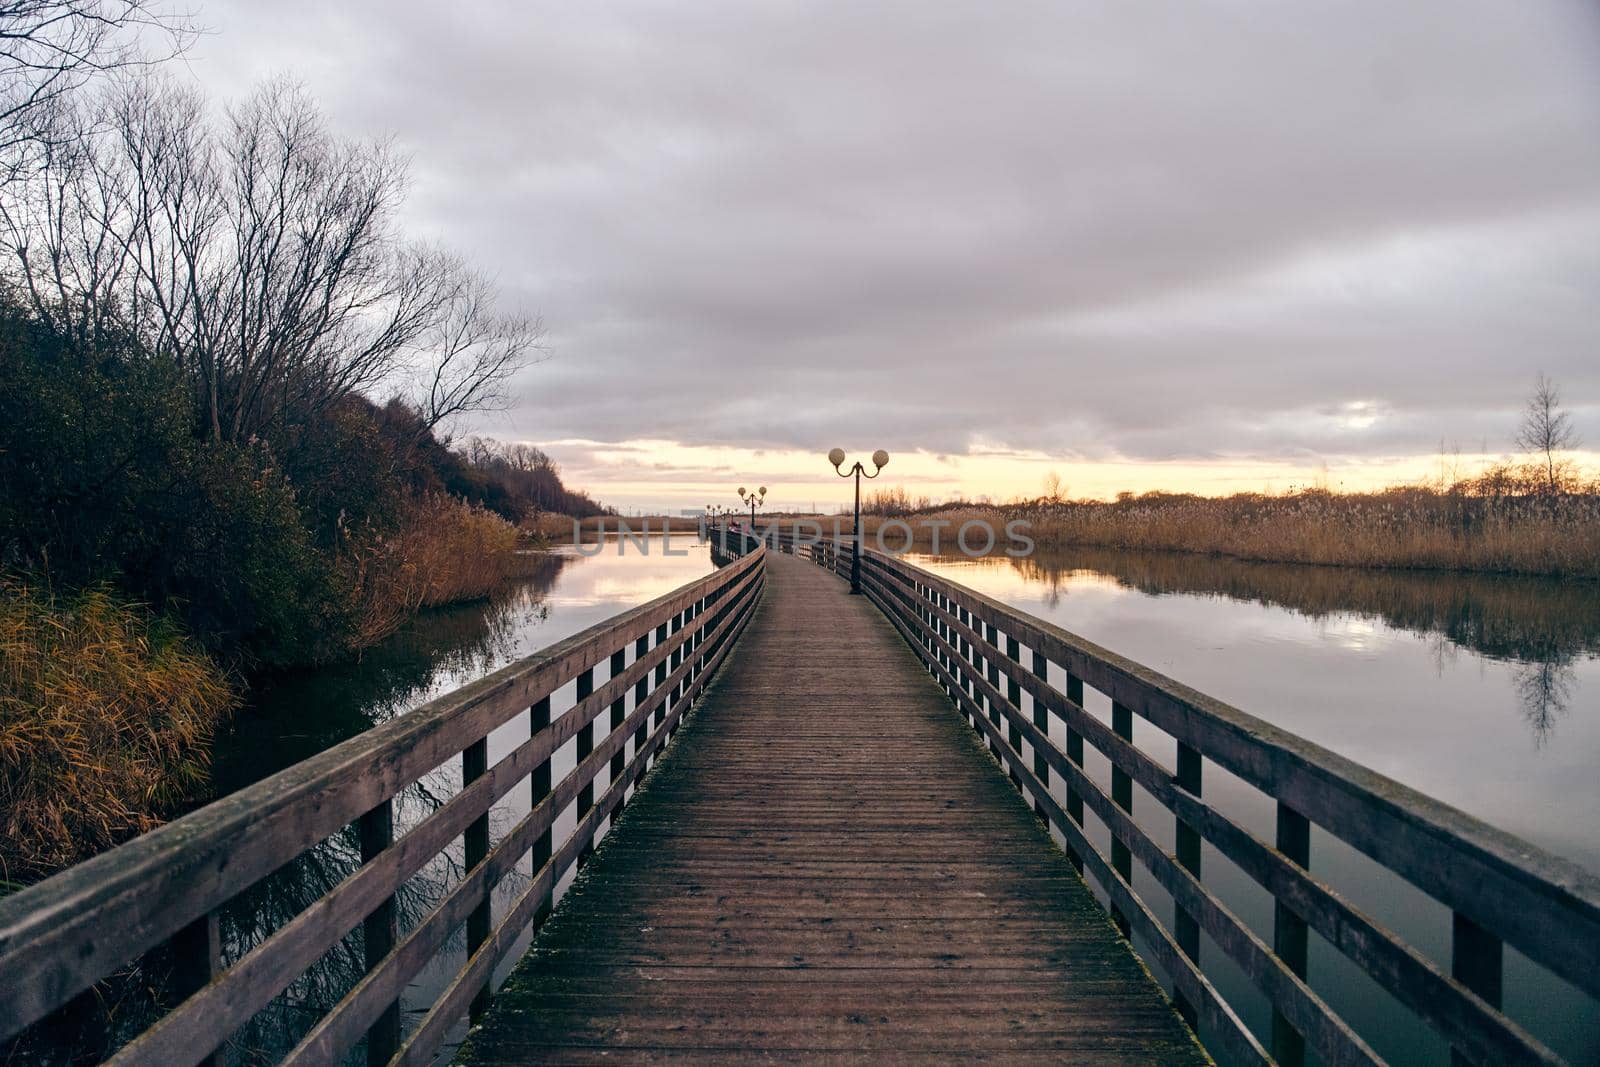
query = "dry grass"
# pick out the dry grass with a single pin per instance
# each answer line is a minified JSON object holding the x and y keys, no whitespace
{"x":446,"y":552}
{"x":548,"y":527}
{"x":1491,"y":524}
{"x":1401,"y":528}
{"x":106,"y":718}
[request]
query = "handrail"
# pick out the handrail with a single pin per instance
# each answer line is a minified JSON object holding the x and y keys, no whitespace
{"x":1500,"y":889}
{"x":59,"y":937}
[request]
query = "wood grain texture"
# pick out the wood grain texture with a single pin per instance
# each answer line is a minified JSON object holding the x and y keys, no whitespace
{"x":827,"y":865}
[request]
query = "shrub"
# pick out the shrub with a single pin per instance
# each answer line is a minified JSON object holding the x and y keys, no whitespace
{"x":105,"y":717}
{"x":445,"y":551}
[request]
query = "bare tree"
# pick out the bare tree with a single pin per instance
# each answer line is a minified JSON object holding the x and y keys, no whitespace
{"x":470,"y":351}
{"x":1055,"y":490}
{"x":260,"y":253}
{"x":48,"y":48}
{"x":1546,"y":429}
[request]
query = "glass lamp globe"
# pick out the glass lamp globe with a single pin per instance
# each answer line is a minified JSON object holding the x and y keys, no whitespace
{"x":880,"y":458}
{"x":836,"y":456}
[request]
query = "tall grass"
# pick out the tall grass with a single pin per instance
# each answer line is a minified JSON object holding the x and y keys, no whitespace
{"x":1555,"y":534}
{"x":1506,"y":521}
{"x":445,"y":552}
{"x":106,"y":714}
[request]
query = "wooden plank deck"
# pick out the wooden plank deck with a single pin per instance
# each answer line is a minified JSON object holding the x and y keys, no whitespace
{"x":827,"y":865}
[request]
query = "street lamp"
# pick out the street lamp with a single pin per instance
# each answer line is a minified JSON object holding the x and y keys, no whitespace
{"x":753,"y":499}
{"x":880,"y":460}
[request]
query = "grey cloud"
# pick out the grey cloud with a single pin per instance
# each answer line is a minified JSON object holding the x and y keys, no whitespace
{"x":784,"y":225}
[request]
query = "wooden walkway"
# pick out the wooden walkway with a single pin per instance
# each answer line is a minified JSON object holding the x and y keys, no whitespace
{"x":827,"y":865}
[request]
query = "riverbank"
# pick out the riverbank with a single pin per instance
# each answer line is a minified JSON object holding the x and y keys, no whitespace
{"x":1534,"y":534}
{"x":1405,"y":529}
{"x":108,"y":709}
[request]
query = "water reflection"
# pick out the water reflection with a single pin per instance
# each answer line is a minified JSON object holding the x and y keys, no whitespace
{"x":1541,"y":627}
{"x":1527,"y":619}
{"x":292,"y":716}
{"x":1546,"y":688}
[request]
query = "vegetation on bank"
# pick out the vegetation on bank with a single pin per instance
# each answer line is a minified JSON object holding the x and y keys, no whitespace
{"x":1503,"y":522}
{"x":106,"y":713}
{"x":1537,"y":516}
{"x":228,"y":378}
{"x":1400,"y":528}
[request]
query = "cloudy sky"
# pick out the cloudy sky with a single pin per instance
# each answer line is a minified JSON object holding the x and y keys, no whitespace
{"x":1212,"y":245}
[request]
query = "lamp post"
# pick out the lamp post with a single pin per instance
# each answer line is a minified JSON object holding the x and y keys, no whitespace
{"x":880,"y":460}
{"x":754,"y":500}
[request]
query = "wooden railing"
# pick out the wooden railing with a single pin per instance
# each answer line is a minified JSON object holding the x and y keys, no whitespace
{"x":1500,"y":890}
{"x":164,"y":889}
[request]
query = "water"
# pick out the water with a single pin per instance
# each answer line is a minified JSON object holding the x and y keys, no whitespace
{"x":1479,"y":691}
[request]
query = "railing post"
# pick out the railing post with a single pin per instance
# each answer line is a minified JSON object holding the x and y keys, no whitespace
{"x":1041,"y":721}
{"x":539,"y":783}
{"x":1122,"y":797}
{"x":474,"y":763}
{"x":641,"y":691}
{"x":619,"y":713}
{"x":943,"y":629}
{"x":585,"y":747}
{"x":379,"y":932}
{"x":1289,"y":933}
{"x":661,"y":675}
{"x":966,"y":667}
{"x":1185,"y":928}
{"x":1476,"y":959}
{"x":925,"y":618}
{"x":979,"y":664}
{"x":1075,"y":754}
{"x":991,"y":668}
{"x":197,"y":957}
{"x":963,"y":652}
{"x":1014,"y":698}
{"x":677,"y":661}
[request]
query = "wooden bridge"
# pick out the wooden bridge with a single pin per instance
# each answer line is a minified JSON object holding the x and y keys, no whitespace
{"x":825,"y":863}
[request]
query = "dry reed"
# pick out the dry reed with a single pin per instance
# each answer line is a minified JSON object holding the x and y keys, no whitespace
{"x":445,"y":552}
{"x":106,"y":718}
{"x":1474,"y":526}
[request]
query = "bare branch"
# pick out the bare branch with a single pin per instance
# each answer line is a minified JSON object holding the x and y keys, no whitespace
{"x":1547,"y":430}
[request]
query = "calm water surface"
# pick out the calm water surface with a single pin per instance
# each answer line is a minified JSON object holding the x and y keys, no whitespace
{"x":1481,"y":692}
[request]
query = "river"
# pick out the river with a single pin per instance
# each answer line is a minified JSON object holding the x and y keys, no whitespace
{"x":1479,"y":691}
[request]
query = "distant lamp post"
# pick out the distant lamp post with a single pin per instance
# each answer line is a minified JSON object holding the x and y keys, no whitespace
{"x":755,"y":500}
{"x":880,"y":460}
